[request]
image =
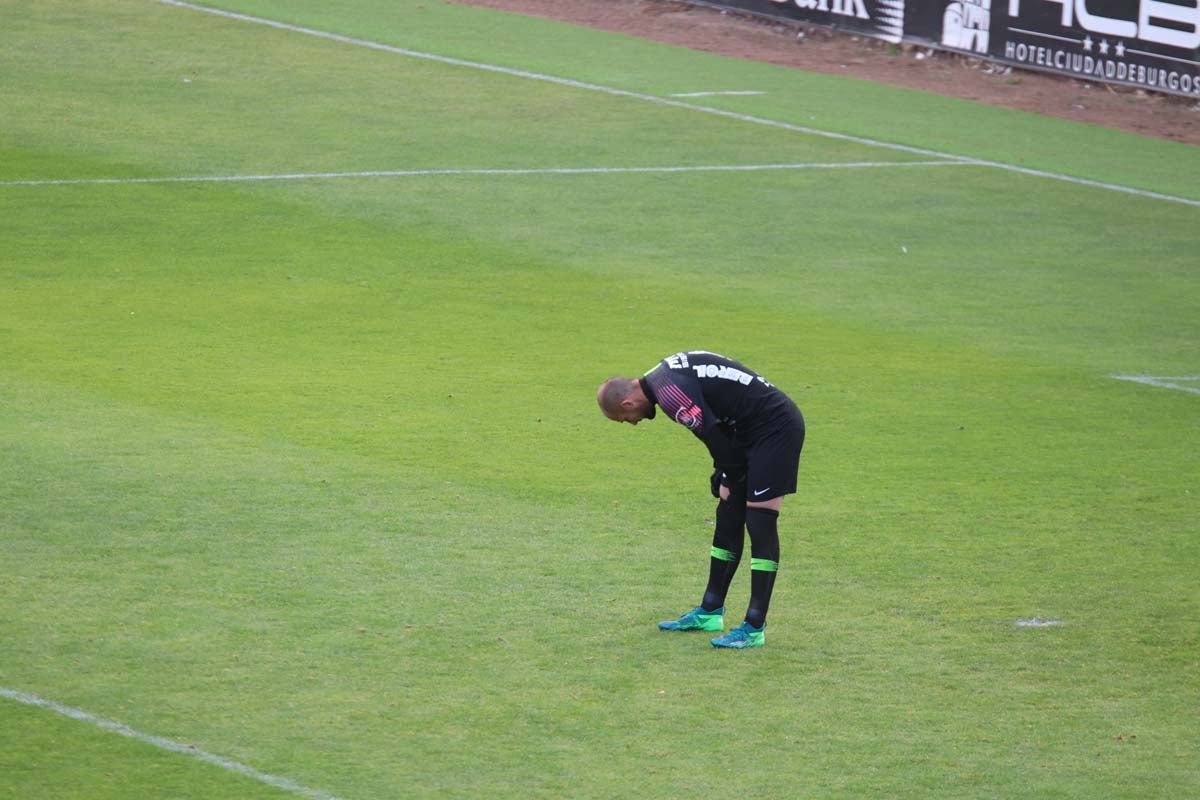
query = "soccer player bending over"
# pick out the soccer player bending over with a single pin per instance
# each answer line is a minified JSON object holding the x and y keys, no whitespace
{"x":754,"y":433}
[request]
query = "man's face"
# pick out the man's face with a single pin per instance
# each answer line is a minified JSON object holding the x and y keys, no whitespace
{"x":633,"y":411}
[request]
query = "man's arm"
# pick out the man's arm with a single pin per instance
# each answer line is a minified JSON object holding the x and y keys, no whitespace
{"x":680,"y":398}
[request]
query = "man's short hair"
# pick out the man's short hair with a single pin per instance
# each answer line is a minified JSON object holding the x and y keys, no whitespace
{"x":612,"y":392}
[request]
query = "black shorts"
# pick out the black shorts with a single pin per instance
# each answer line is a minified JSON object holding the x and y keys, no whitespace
{"x":772,"y":463}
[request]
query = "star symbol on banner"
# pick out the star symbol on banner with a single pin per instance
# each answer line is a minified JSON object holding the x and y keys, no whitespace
{"x":1087,"y":43}
{"x":1104,"y":47}
{"x":1120,"y":50}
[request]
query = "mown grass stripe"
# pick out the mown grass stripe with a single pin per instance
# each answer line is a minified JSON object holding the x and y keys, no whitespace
{"x":458,"y":62}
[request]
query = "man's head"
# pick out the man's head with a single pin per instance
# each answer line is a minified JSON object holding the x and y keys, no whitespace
{"x":622,"y":400}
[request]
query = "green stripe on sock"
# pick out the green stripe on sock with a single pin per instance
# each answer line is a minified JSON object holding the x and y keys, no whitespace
{"x":764,"y":565}
{"x":723,"y":555}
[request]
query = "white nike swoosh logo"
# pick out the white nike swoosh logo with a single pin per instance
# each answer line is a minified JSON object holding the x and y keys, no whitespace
{"x":764,"y":491}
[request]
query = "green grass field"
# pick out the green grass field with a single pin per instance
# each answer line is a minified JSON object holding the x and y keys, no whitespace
{"x":305,"y":473}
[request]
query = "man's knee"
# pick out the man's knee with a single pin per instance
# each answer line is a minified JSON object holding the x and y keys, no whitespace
{"x":762,"y":525}
{"x":774,"y":504}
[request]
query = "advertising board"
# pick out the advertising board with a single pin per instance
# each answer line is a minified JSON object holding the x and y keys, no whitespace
{"x":1151,"y":44}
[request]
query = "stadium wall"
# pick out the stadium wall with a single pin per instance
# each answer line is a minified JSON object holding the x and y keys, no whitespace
{"x":1150,"y":44}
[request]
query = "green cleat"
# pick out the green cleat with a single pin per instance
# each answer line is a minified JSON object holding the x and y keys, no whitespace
{"x":696,"y":620}
{"x":744,"y":635}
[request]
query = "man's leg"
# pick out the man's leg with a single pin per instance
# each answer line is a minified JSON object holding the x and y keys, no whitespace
{"x":728,"y":540}
{"x":773,"y":465}
{"x":763,"y":524}
{"x":729,"y":535}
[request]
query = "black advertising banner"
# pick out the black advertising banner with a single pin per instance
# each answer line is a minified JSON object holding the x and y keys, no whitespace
{"x":1151,"y":44}
{"x":881,"y":19}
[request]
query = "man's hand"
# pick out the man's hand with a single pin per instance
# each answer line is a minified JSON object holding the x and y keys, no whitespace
{"x":715,"y":483}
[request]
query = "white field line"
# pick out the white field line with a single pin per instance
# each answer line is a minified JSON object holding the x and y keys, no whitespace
{"x":403,"y":173}
{"x":728,"y":93}
{"x":1164,"y":382}
{"x":673,"y":103}
{"x":166,"y":744}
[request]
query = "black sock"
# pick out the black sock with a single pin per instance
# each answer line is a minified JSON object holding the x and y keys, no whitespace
{"x":763,"y":525}
{"x":728,"y":541}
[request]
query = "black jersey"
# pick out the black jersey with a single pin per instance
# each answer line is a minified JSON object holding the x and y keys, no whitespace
{"x":725,"y":404}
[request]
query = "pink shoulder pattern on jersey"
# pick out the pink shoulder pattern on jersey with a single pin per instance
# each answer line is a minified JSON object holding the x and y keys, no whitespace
{"x":680,"y":407}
